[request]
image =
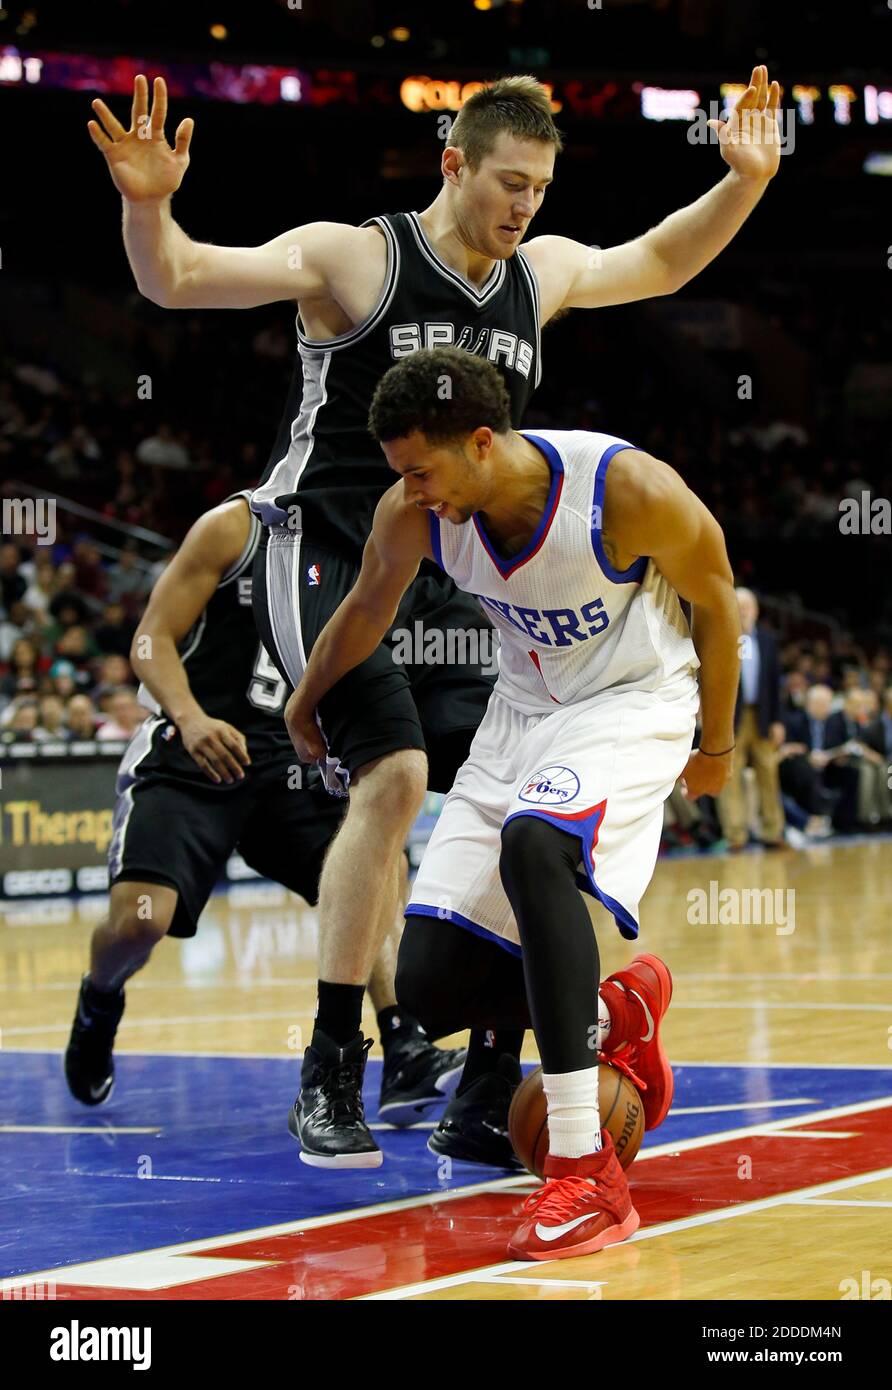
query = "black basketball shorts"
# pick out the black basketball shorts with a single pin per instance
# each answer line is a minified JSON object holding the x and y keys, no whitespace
{"x":417,"y":690}
{"x":179,"y":831}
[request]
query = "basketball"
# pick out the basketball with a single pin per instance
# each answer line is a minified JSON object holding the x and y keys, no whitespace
{"x":622,"y":1115}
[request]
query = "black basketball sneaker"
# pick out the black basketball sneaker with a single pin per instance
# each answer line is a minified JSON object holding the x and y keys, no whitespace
{"x":89,"y":1065}
{"x":328,"y":1118}
{"x":415,"y":1076}
{"x":474,"y":1127}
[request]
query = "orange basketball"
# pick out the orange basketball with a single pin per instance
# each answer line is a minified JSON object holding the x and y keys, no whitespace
{"x":622,"y":1115}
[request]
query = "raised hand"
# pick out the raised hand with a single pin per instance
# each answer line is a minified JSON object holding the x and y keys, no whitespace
{"x":750,"y":138}
{"x":143,"y":167}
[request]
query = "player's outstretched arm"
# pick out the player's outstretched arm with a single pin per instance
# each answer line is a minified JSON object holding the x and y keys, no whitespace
{"x":574,"y":276}
{"x":177,"y":601}
{"x":178,"y":273}
{"x":649,"y":510}
{"x":399,"y":541}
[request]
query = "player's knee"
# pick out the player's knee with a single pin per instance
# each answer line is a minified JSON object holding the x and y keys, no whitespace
{"x":418,"y":985}
{"x":394,"y":785}
{"x":412,"y":990}
{"x":141,"y":915}
{"x":535,"y":853}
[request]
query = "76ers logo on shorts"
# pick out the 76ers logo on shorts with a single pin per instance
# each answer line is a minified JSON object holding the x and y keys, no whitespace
{"x":553,"y":786}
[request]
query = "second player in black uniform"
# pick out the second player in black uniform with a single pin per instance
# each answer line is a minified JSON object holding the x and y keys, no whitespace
{"x":211,"y":771}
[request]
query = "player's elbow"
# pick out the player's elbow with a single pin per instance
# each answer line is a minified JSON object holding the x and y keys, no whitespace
{"x":145,"y":644}
{"x":663,"y":276}
{"x":713,"y":594}
{"x":373,"y":615}
{"x":141,"y":644}
{"x":668,"y":280}
{"x":163,"y":296}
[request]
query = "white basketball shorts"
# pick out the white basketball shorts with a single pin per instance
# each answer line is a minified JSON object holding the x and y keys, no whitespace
{"x":599,"y":769}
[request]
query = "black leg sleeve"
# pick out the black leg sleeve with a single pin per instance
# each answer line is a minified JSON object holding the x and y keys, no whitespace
{"x":560,"y":953}
{"x":450,"y":979}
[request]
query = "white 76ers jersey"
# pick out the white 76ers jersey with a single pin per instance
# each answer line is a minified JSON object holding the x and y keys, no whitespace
{"x":570,"y":625}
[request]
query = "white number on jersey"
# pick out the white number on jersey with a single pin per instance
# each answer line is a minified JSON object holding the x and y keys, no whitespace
{"x":267,"y":689}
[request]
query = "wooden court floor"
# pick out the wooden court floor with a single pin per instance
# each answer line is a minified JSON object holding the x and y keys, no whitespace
{"x":803,"y":993}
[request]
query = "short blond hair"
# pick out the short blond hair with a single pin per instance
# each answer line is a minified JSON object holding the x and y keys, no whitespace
{"x":519,"y":105}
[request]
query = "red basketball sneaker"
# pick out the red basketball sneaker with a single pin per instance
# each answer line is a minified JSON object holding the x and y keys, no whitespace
{"x":584,"y":1205}
{"x":642,"y":1057}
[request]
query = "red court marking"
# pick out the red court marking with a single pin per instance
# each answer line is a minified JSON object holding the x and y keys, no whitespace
{"x":387,"y":1251}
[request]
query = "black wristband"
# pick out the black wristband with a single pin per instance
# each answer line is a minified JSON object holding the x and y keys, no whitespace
{"x":717,"y":755}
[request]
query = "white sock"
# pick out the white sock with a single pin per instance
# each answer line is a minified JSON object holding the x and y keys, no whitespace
{"x":574,"y":1126}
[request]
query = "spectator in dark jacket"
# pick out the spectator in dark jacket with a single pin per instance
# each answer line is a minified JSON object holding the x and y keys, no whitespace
{"x":823,"y":730}
{"x":801,"y":777}
{"x":850,"y":727}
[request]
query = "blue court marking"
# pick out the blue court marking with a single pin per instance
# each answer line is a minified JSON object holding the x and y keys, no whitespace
{"x":224,"y":1161}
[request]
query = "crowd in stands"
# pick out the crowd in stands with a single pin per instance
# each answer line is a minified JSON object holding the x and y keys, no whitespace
{"x":819,"y":742}
{"x":66,"y":624}
{"x":814,"y":725}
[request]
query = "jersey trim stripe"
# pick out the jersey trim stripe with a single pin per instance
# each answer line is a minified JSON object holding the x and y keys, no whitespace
{"x":268,"y":489}
{"x":425,"y":910}
{"x":533,"y":281}
{"x":282,"y":557}
{"x":250,"y":547}
{"x":635,"y":573}
{"x":359,"y":330}
{"x":135,"y":753}
{"x":491,"y":285}
{"x":198,"y":633}
{"x":534,"y":657}
{"x":507,"y":567}
{"x":585,"y":829}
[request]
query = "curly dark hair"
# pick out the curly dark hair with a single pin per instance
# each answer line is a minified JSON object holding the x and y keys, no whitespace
{"x":445,"y":392}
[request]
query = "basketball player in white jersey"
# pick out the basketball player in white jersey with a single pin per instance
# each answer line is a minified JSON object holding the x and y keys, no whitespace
{"x":456,"y":272}
{"x":579,"y":547}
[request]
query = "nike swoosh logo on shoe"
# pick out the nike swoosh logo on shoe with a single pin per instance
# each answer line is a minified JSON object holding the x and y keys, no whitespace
{"x":553,"y":1232}
{"x":97,"y":1092}
{"x":647,"y":1014}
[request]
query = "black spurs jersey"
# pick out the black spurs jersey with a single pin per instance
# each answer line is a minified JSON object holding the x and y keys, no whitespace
{"x":230,"y":673}
{"x":324,"y":459}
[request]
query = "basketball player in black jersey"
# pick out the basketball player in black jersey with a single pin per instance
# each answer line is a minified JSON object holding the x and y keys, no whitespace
{"x":452,"y":274}
{"x":210,"y":771}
